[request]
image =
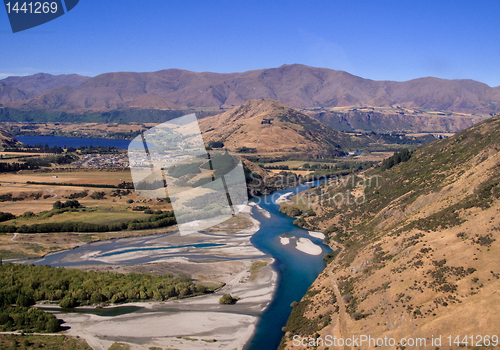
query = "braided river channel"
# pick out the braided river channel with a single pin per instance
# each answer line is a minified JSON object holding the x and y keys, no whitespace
{"x":295,"y":269}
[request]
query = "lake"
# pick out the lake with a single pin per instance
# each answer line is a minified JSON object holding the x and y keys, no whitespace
{"x":72,"y":141}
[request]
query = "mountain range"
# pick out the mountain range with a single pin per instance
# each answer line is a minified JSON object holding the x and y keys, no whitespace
{"x":26,"y":87}
{"x":296,"y":85}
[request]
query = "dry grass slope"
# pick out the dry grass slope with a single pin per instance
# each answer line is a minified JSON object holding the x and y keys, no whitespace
{"x":7,"y":140}
{"x":419,"y":256}
{"x":269,"y":126}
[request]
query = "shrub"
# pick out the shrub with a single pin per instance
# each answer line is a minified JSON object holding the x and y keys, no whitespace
{"x":6,"y":216}
{"x":82,"y":194}
{"x":72,"y":203}
{"x":98,"y":195}
{"x":245,"y":149}
{"x":28,"y":214}
{"x":291,"y":211}
{"x":215,"y":144}
{"x":311,"y":212}
{"x":227,"y":299}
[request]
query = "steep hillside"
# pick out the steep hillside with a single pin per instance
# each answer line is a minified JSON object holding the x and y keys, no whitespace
{"x":295,"y":85}
{"x":6,"y":140}
{"x":266,"y":126}
{"x":417,"y":244}
{"x":391,"y":120}
{"x":9,"y":93}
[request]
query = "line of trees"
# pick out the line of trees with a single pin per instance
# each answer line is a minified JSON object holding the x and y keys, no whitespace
{"x":21,"y":286}
{"x":158,"y":220}
{"x":24,"y":285}
{"x":15,"y":167}
{"x":71,"y":184}
{"x":6,"y":216}
{"x":31,"y":163}
{"x":38,"y":148}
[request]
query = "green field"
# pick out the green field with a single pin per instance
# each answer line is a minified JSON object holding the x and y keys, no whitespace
{"x":295,"y":163}
{"x":88,"y":215}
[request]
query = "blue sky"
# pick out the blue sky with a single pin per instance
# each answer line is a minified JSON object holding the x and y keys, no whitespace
{"x":380,"y":40}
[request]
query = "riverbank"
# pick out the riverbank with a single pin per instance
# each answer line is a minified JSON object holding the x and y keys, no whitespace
{"x":191,"y":323}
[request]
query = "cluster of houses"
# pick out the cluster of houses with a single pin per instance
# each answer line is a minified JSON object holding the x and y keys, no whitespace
{"x":103,"y":160}
{"x":142,"y":160}
{"x":122,"y":161}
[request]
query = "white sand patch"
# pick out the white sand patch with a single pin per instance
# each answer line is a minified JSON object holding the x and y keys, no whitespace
{"x":177,"y":259}
{"x":284,"y":240}
{"x":316,"y":234}
{"x":118,"y":257}
{"x":230,"y":330}
{"x":255,"y":224}
{"x":308,"y":247}
{"x":90,"y":255}
{"x":283,"y":197}
{"x":261,"y":210}
{"x":247,"y":209}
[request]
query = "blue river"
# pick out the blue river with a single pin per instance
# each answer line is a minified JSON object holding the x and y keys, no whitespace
{"x":296,"y":270}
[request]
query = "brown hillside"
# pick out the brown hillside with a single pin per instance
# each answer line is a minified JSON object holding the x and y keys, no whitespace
{"x":418,"y":252}
{"x":7,"y":140}
{"x":148,"y":101}
{"x":36,"y":84}
{"x":10,"y":93}
{"x":270,"y":126}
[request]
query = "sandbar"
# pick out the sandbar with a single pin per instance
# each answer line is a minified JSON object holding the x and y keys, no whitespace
{"x":305,"y":245}
{"x":316,"y":234}
{"x":283,"y":197}
{"x":284,"y":240}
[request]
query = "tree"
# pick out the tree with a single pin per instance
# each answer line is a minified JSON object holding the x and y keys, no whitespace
{"x":68,"y":302}
{"x":24,"y":300}
{"x":52,"y":325}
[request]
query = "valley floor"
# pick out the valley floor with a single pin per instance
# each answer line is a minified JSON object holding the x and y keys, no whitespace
{"x":193,"y":323}
{"x":190,"y":323}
